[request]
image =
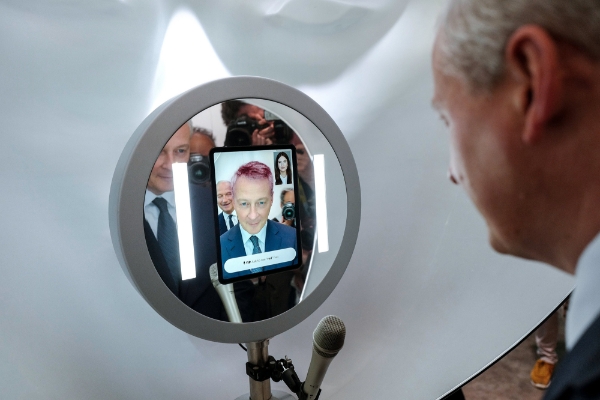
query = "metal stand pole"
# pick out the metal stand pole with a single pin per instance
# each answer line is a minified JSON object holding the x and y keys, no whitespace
{"x":258,"y":352}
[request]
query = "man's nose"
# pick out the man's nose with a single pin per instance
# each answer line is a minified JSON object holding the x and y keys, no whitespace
{"x":168,"y":161}
{"x":253,"y":214}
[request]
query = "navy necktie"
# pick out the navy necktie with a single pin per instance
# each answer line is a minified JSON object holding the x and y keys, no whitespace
{"x":230,"y":221}
{"x":167,"y":240}
{"x":255,"y":250}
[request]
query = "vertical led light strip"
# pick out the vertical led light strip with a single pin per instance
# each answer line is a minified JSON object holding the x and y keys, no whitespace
{"x":184,"y":221}
{"x":321,"y":203}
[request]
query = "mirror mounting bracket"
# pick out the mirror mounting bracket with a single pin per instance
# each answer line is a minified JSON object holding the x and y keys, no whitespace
{"x":261,"y":370}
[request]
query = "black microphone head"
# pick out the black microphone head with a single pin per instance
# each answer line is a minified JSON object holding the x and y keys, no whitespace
{"x":214,"y":275}
{"x":329,"y":335}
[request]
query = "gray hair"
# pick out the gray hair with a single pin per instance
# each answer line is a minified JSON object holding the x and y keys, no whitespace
{"x":283,"y":193}
{"x":189,"y":125}
{"x":474,"y":33}
{"x":196,"y":130}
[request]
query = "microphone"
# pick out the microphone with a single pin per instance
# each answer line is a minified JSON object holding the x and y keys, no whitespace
{"x":226,"y":294}
{"x":328,"y":339}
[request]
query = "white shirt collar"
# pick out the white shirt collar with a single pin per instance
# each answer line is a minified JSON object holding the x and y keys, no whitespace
{"x":261,"y":235}
{"x":151,"y":211}
{"x":168,"y":196}
{"x":584,"y":305}
{"x":229,"y":222}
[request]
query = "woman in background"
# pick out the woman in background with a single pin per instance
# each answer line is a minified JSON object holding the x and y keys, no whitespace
{"x":283,"y":172}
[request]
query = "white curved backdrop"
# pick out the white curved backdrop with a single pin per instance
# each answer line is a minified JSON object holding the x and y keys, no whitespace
{"x":426,"y":303}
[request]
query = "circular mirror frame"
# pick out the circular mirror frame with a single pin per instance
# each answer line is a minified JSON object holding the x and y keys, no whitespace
{"x":129,"y":185}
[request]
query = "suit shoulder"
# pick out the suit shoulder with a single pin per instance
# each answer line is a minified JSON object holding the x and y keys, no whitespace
{"x":281,"y":225}
{"x":579,"y":372}
{"x":231,"y":234}
{"x":281,"y":229}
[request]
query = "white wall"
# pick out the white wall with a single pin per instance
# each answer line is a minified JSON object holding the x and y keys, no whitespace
{"x":211,"y":119}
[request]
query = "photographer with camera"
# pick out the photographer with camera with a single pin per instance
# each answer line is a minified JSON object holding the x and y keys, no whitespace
{"x":288,"y":212}
{"x":250,"y":125}
{"x":201,"y":141}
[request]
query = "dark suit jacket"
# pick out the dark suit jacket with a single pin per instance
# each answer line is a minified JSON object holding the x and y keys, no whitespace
{"x":199,"y":293}
{"x":278,"y":237}
{"x":577,"y":376}
{"x":222,"y":224}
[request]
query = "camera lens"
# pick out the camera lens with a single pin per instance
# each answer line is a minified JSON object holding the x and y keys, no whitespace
{"x":288,"y":211}
{"x":239,"y":132}
{"x":198,"y":169}
{"x":237,"y":137}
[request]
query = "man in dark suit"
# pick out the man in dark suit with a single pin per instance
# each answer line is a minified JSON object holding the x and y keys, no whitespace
{"x":197,"y":293}
{"x":252,"y":198}
{"x":160,"y":229}
{"x":518,"y":85}
{"x":228,"y":217}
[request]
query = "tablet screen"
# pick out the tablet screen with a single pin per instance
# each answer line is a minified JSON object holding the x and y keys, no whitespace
{"x":255,"y":210}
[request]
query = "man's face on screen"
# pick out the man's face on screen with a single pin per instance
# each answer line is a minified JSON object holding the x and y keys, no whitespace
{"x":252,"y":201}
{"x":225,"y":197}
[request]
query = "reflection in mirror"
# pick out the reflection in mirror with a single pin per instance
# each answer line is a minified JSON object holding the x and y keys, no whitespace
{"x":182,"y":239}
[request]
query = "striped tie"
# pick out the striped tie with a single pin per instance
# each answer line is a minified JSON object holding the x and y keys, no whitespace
{"x":255,"y":250}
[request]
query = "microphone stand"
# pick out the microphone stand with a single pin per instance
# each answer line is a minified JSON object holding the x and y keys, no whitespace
{"x":258,"y":356}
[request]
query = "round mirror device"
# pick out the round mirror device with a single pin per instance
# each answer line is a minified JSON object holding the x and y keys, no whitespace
{"x":318,"y":143}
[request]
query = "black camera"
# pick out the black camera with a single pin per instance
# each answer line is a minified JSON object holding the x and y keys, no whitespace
{"x":198,"y":169}
{"x":283,"y":133}
{"x":288,"y":212}
{"x":239,"y":131}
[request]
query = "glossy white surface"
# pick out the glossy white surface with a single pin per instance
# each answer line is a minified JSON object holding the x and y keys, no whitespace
{"x":425,"y":301}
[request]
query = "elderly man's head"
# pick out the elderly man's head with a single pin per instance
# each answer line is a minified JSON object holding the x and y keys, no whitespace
{"x":201,"y":141}
{"x":474,"y":33}
{"x":225,"y":196}
{"x":511,"y":82}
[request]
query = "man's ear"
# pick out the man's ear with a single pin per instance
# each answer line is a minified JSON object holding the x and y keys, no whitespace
{"x":531,"y":57}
